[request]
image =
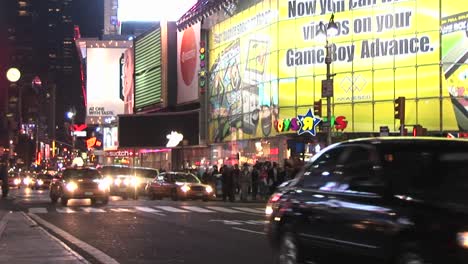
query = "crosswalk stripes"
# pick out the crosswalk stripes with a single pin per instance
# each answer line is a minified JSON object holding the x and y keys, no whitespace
{"x":38,"y":210}
{"x":65,"y":210}
{"x":150,"y":209}
{"x":172,"y":209}
{"x":197,"y":209}
{"x":92,"y":210}
{"x":222,"y":209}
{"x":249,"y":210}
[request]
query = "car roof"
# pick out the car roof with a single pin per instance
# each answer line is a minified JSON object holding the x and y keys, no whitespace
{"x":420,"y":141}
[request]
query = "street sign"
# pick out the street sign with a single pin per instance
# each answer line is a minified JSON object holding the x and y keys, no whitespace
{"x":327,"y":88}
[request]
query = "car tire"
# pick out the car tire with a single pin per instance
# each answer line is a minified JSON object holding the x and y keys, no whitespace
{"x":174,"y":195}
{"x":288,"y":252}
{"x":125,"y":196}
{"x":105,"y":200}
{"x":205,"y":199}
{"x":64,"y":201}
{"x":410,"y":253}
{"x":153,"y":196}
{"x":93,"y":201}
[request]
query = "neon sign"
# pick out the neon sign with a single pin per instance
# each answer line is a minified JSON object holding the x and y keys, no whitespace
{"x":308,"y":123}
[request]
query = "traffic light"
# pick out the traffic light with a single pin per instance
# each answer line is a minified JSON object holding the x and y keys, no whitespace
{"x":400,"y":109}
{"x":419,"y":130}
{"x":202,"y":78}
{"x":318,"y":108}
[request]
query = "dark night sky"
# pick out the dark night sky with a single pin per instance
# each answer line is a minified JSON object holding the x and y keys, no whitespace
{"x":89,"y":15}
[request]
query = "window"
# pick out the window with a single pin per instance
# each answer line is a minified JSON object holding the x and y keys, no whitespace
{"x":320,"y":174}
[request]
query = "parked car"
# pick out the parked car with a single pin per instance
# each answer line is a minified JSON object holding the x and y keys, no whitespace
{"x":179,"y":185}
{"x":401,"y":200}
{"x":128,"y":181}
{"x":42,"y":181}
{"x":79,"y":183}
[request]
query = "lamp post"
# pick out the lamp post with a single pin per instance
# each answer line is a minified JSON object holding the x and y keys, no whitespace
{"x":71,"y":115}
{"x":13,"y":75}
{"x":323,"y":32}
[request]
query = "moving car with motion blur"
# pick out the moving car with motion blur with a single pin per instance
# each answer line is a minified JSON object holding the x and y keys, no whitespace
{"x":128,"y":181}
{"x":41,"y":181}
{"x":399,"y":200}
{"x":179,"y":186}
{"x":14,"y":180}
{"x":79,"y":183}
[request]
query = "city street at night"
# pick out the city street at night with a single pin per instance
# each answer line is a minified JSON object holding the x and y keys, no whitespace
{"x":145,"y":231}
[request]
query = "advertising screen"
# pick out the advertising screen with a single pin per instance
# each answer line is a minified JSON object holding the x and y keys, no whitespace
{"x":152,"y":10}
{"x":103,"y":84}
{"x":127,"y":81}
{"x":110,"y":138}
{"x":272,"y":54}
{"x":188,"y":63}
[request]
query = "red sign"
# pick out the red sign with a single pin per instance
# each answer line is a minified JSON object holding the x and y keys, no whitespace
{"x":188,"y":56}
{"x":79,"y":127}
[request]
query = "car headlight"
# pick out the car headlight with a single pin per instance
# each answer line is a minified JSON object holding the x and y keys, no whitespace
{"x":103,"y":185}
{"x":26,"y":180}
{"x":135,"y":181}
{"x":185,"y":188}
{"x":462,"y":239}
{"x":117,"y":181}
{"x":209,"y":189}
{"x":16,"y":181}
{"x":71,"y":186}
{"x":40,"y":182}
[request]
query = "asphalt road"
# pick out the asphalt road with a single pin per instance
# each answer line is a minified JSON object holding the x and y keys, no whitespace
{"x":145,"y":231}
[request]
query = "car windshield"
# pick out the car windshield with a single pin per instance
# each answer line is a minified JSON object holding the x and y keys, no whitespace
{"x":146,"y":173}
{"x":44,"y":176}
{"x":81,"y":174}
{"x":185,"y":177}
{"x":114,"y":171}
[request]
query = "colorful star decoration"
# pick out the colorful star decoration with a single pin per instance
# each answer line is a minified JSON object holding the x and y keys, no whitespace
{"x":308,"y":123}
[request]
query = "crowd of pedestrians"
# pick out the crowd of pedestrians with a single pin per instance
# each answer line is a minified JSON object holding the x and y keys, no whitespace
{"x":257,"y":182}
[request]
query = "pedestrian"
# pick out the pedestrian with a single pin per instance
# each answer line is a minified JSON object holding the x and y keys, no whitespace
{"x":235,"y":177}
{"x":272,"y":177}
{"x":262,"y":183}
{"x":4,"y":175}
{"x":227,"y":183}
{"x":245,"y":181}
{"x":255,"y":178}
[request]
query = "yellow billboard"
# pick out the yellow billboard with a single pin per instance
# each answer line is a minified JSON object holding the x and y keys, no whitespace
{"x":267,"y":64}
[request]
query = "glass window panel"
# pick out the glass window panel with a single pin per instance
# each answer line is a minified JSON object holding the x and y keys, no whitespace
{"x":428,"y":81}
{"x":305,"y":91}
{"x":429,"y":114}
{"x":384,"y":116}
{"x":454,"y":115}
{"x":383,"y":84}
{"x":287,"y":92}
{"x":363,"y":117}
{"x":405,"y":82}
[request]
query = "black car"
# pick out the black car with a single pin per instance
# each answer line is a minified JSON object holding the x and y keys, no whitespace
{"x":41,"y":181}
{"x":79,"y":183}
{"x":390,"y":200}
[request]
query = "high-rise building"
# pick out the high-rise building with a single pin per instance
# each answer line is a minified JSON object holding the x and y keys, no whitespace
{"x":38,"y":39}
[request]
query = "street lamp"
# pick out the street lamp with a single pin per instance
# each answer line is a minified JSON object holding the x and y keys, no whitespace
{"x":323,"y":32}
{"x":71,"y":115}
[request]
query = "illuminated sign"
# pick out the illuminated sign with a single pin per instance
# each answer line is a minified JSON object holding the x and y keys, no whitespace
{"x":302,"y":124}
{"x":174,"y":139}
{"x":271,"y":57}
{"x":307,"y":123}
{"x":119,"y":153}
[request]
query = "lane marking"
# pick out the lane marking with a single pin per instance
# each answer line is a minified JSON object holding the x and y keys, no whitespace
{"x":149,"y":210}
{"x":37,"y":210}
{"x":172,"y":209}
{"x":249,"y":210}
{"x":122,"y":210}
{"x":92,"y":210}
{"x":197,"y":209}
{"x":222,"y":209}
{"x":249,"y":231}
{"x":65,"y":210}
{"x":96,"y":253}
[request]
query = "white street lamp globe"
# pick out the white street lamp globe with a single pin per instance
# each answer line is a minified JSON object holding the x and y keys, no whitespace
{"x":13,"y":74}
{"x":70,"y":115}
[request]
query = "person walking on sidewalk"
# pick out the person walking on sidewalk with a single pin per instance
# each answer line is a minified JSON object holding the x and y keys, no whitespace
{"x":228,"y":183}
{"x":4,"y":175}
{"x":255,"y":178}
{"x":245,"y":182}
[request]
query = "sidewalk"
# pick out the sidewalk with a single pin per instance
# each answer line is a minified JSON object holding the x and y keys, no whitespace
{"x":23,"y":241}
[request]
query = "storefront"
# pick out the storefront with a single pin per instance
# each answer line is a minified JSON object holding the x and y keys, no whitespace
{"x":266,"y":65}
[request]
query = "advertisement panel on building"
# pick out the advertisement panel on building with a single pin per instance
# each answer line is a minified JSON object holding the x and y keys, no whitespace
{"x":110,"y":138}
{"x":267,"y":65}
{"x":150,"y":10}
{"x":127,"y":71}
{"x":188,"y":63}
{"x":103,"y":84}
